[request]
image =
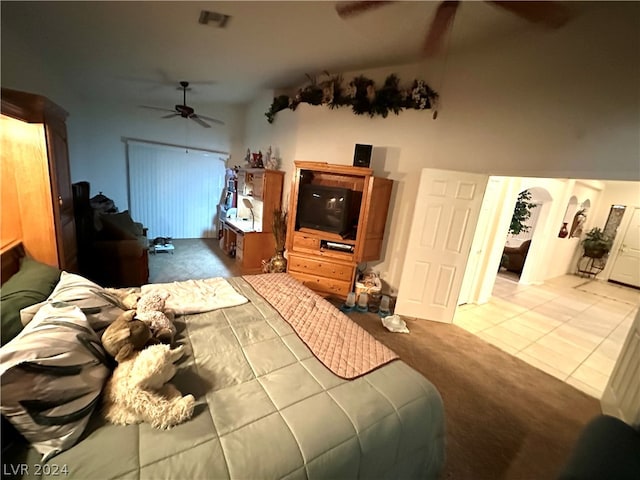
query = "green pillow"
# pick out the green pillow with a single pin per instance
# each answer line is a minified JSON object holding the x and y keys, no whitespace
{"x":33,"y":283}
{"x":118,"y":226}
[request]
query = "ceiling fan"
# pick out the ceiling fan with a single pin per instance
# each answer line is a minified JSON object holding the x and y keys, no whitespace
{"x":551,"y":14}
{"x":185,"y":111}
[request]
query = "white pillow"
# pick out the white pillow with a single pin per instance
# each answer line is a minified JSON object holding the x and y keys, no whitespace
{"x":52,"y":374}
{"x":100,"y":307}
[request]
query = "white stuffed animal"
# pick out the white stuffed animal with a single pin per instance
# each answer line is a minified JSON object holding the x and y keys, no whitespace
{"x":151,"y":310}
{"x":138,"y":390}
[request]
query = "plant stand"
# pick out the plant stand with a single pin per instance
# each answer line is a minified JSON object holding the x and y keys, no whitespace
{"x":589,"y":266}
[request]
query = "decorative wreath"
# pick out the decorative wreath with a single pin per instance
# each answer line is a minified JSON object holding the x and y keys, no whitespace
{"x":360,"y":94}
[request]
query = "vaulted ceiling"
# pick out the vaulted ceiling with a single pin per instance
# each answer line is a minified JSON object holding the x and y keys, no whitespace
{"x":139,"y":51}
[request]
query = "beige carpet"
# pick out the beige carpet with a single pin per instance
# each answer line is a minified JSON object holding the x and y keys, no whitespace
{"x":505,"y":418}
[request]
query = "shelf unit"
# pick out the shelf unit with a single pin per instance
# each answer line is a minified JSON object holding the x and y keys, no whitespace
{"x":331,"y":271}
{"x":263,"y":188}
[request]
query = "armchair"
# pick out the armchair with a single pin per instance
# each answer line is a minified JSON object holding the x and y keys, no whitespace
{"x":112,"y":248}
{"x":517,"y":256}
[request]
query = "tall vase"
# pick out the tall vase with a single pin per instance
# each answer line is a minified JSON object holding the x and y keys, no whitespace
{"x":563,"y":231}
{"x":278,"y":264}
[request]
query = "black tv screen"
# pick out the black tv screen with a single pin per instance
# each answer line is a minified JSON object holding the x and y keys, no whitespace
{"x":329,"y":209}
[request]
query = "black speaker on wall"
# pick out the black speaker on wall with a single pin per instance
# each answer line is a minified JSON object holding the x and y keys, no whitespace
{"x":362,"y":155}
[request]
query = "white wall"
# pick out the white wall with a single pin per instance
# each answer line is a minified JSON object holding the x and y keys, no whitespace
{"x":282,"y":136}
{"x":95,"y":127}
{"x":98,"y":153}
{"x":616,"y":193}
{"x":548,"y":104}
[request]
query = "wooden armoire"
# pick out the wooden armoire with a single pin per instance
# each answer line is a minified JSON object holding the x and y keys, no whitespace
{"x":37,"y":200}
{"x":327,"y":262}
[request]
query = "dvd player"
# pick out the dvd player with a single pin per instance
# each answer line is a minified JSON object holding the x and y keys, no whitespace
{"x":340,"y":247}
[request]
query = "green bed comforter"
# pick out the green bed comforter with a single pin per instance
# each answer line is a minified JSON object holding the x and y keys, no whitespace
{"x":267,"y":408}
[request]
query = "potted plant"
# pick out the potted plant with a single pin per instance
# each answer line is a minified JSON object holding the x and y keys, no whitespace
{"x":596,"y":243}
{"x":521,"y":213}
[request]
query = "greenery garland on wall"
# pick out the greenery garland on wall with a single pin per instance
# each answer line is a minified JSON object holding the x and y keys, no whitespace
{"x":361,"y":95}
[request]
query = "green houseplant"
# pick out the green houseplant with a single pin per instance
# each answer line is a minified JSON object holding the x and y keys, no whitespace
{"x":521,"y":213}
{"x":596,"y":243}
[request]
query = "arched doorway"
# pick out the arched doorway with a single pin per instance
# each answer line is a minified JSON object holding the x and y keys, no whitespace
{"x":530,"y":209}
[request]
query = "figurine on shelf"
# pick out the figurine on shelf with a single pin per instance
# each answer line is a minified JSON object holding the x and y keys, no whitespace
{"x":578,"y":223}
{"x":271,"y":162}
{"x":257,"y":160}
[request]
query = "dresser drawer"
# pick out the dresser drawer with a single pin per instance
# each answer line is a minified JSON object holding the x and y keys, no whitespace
{"x":323,"y":285}
{"x":307,"y":242}
{"x":322,"y":267}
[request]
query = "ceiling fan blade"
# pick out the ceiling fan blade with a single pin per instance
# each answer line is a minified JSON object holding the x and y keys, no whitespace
{"x":214,"y":120}
{"x":197,"y":119}
{"x":171,"y":115}
{"x":547,"y":13}
{"x":347,"y":9}
{"x":157,"y":108}
{"x":439,"y":27}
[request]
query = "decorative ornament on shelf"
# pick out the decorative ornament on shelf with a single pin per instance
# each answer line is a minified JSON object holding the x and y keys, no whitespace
{"x":578,"y":223}
{"x":361,"y":95}
{"x":256,"y":161}
{"x":271,"y":161}
{"x":563,"y":231}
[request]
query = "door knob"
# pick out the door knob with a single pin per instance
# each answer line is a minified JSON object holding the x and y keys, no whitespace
{"x":60,"y":202}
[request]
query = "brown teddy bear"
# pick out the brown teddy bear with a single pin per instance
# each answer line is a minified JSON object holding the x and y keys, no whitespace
{"x":126,"y":298}
{"x":138,"y":390}
{"x":125,"y":336}
{"x":151,"y":310}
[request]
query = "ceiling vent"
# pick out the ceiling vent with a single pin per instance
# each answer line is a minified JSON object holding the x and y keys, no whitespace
{"x":218,"y":19}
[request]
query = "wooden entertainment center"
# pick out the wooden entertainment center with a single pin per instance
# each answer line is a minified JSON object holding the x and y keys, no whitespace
{"x":324,"y":261}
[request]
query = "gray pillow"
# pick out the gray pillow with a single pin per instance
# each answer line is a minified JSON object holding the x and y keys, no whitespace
{"x":100,"y":307}
{"x":52,"y":374}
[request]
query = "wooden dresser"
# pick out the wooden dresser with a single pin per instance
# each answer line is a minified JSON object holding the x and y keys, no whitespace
{"x":324,"y":261}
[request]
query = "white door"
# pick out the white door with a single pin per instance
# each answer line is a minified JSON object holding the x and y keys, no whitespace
{"x":626,"y":268}
{"x":621,"y":397}
{"x":444,"y":220}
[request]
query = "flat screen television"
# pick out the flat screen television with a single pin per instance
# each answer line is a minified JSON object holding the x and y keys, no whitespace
{"x":329,"y":209}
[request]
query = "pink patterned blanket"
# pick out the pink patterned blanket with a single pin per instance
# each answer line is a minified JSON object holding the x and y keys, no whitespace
{"x":340,"y":344}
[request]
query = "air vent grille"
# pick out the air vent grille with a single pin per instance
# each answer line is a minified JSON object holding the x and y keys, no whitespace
{"x":219,"y":20}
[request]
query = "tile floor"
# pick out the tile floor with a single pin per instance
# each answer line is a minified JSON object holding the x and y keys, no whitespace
{"x":570,"y":327}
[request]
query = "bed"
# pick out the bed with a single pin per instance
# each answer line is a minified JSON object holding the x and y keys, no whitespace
{"x":268,"y":406}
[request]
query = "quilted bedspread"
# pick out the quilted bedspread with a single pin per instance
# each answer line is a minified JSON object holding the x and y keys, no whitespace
{"x":341,"y":345}
{"x":268,"y":408}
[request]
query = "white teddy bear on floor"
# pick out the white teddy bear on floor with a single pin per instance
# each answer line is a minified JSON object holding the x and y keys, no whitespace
{"x":138,"y":390}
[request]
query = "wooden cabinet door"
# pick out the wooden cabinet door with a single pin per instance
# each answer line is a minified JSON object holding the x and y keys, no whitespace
{"x":258,"y":185}
{"x":61,"y":193}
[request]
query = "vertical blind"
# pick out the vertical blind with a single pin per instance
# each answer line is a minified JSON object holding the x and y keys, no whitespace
{"x":174,"y":191}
